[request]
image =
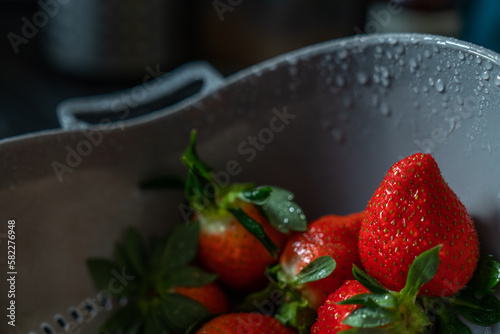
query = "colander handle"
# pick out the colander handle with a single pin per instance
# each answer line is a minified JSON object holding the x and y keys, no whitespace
{"x":164,"y":93}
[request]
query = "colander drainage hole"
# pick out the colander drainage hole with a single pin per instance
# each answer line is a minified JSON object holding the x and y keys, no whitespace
{"x":60,"y":321}
{"x":72,"y":311}
{"x":46,"y":329}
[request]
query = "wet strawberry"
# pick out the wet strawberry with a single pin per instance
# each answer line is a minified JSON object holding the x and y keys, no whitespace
{"x":248,"y":323}
{"x":413,"y":210}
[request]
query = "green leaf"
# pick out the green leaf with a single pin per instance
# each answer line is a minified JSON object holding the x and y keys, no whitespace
{"x":186,"y":276}
{"x":287,"y":312}
{"x":194,"y":163}
{"x":153,"y":325}
{"x":135,"y":252}
{"x":385,"y":300}
{"x":421,"y":271}
{"x":181,"y":247}
{"x":124,"y":318}
{"x":447,"y":322}
{"x":283,"y":213}
{"x":181,"y":312}
{"x":164,"y":182}
{"x":319,"y":268}
{"x":485,"y":278}
{"x":103,"y":273}
{"x":121,"y":258}
{"x":369,"y":317}
{"x":256,"y":229}
{"x":195,"y":192}
{"x":270,"y":294}
{"x":367,"y":281}
{"x":484,"y":311}
{"x":257,"y":195}
{"x":385,"y":330}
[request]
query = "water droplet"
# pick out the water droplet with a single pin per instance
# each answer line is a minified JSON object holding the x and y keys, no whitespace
{"x":427,"y":54}
{"x":456,"y":78}
{"x":448,"y":64}
{"x":286,"y":220}
{"x":416,"y":104}
{"x":431,"y":82}
{"x":378,"y":49}
{"x":435,"y":49}
{"x":425,"y":89}
{"x":384,"y":109}
{"x":342,"y":54}
{"x":388,"y":54}
{"x":340,"y":81}
{"x":291,"y":209}
{"x":399,"y":49}
{"x":460,"y":100}
{"x":413,"y":63}
{"x":488,"y":65}
{"x":362,"y":78}
{"x":338,"y":135}
{"x":461,"y":55}
{"x":478,"y":60}
{"x":485,"y":75}
{"x":486,"y":91}
{"x":439,"y":85}
{"x":385,"y":82}
{"x":496,"y":80}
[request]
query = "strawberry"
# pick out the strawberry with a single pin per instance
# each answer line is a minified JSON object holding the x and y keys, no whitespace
{"x":211,"y":296}
{"x":237,"y":256}
{"x":164,"y":291}
{"x":331,"y":314}
{"x":243,"y":227}
{"x":248,"y":323}
{"x":413,"y":210}
{"x":369,"y":307}
{"x":332,"y":235}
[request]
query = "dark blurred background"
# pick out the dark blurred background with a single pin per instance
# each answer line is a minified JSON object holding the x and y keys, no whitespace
{"x":54,"y":49}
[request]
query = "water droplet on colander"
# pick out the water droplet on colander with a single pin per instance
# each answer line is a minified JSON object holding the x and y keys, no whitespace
{"x":413,"y":63}
{"x":338,"y":135}
{"x":384,"y":109}
{"x":425,"y":89}
{"x":427,"y":54}
{"x":399,"y":49}
{"x":439,"y":85}
{"x":431,"y":82}
{"x":362,"y":78}
{"x":416,"y":105}
{"x":461,"y":55}
{"x":485,"y":75}
{"x":385,"y":82}
{"x":340,"y":81}
{"x":460,"y":100}
{"x":496,"y":80}
{"x":456,"y":79}
{"x":448,"y":64}
{"x":388,"y":55}
{"x":486,"y":91}
{"x":378,"y":49}
{"x":488,"y":65}
{"x":478,"y":60}
{"x":438,"y":68}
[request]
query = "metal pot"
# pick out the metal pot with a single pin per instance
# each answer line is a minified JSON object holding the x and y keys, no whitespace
{"x":326,"y":122}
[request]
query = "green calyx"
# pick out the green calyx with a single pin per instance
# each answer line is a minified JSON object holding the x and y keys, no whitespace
{"x":148,"y":280}
{"x":289,"y":306}
{"x":476,"y":302}
{"x":212,"y":197}
{"x":385,"y":311}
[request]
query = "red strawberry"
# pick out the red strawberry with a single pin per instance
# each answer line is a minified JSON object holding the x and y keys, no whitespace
{"x":242,"y":227}
{"x":332,"y":235}
{"x":228,"y":249}
{"x":211,"y":296}
{"x":331,"y":314}
{"x":412,"y":211}
{"x":245,"y":323}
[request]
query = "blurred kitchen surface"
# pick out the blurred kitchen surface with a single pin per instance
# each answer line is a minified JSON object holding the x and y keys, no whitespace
{"x":55,"y":49}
